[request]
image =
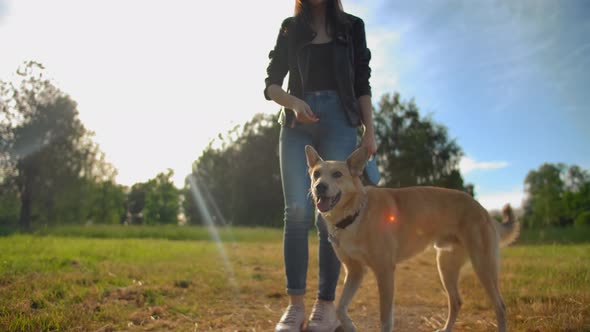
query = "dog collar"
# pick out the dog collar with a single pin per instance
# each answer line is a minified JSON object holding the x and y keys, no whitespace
{"x":348,"y":220}
{"x":342,"y":224}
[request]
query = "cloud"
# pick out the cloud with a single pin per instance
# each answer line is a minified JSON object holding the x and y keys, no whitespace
{"x":468,"y":164}
{"x":496,"y":200}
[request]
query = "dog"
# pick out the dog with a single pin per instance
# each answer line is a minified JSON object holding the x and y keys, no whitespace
{"x":376,"y":228}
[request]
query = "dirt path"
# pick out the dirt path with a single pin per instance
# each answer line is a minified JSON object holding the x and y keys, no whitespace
{"x":420,"y":301}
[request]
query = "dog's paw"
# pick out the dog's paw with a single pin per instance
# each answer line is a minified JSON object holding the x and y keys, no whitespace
{"x":349,"y":327}
{"x":346,"y":324}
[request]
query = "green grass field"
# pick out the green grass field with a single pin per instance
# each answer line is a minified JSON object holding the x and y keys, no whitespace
{"x":176,"y":279}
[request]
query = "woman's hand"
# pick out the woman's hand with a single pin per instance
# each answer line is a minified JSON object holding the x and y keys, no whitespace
{"x":368,"y":141}
{"x":303,"y":112}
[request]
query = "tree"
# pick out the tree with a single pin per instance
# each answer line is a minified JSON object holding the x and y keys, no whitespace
{"x":556,"y":195}
{"x":583,"y":219}
{"x":156,"y":201}
{"x":239,"y":181}
{"x":576,"y":197}
{"x":162,"y":200}
{"x":136,"y":203}
{"x":544,"y":188}
{"x":107,"y":203}
{"x":9,"y":207}
{"x":414,"y":150}
{"x":46,"y":154}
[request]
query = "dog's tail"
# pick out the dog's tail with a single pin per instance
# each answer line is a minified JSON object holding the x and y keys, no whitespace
{"x":509,"y":229}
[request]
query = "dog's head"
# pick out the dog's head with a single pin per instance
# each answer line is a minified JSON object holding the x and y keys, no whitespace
{"x":335,"y":183}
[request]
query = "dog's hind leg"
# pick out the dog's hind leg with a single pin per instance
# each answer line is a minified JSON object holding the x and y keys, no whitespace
{"x":484,"y":251}
{"x":449,"y":263}
{"x":352,"y":281}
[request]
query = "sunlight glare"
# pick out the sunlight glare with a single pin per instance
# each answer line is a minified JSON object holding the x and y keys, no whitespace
{"x":157,"y":91}
{"x":206,"y":215}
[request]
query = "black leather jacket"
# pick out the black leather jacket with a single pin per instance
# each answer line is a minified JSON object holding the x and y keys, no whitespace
{"x":351,"y":64}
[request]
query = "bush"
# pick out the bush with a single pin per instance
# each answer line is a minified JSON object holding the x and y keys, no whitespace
{"x":583,"y":219}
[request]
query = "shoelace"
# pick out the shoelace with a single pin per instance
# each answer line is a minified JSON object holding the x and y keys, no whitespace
{"x":290,"y":315}
{"x":318,"y":311}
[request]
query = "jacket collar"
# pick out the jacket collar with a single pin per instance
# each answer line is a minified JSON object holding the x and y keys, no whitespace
{"x":342,"y":32}
{"x":304,"y":33}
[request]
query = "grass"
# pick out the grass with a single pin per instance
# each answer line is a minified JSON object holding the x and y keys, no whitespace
{"x":116,"y":278}
{"x":554,"y":235}
{"x":169,"y":232}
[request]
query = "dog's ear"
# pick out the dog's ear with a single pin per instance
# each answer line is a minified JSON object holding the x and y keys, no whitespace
{"x":357,"y":160}
{"x":312,"y":156}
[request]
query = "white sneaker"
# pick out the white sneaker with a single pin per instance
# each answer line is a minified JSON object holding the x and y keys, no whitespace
{"x":323,"y":317}
{"x":292,"y":320}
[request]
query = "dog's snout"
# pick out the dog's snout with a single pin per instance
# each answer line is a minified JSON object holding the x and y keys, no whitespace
{"x":321,"y":188}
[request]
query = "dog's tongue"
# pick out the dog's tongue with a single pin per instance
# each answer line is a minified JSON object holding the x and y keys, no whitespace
{"x":323,"y":204}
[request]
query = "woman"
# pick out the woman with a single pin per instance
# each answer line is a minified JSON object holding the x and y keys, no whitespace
{"x":325,"y":53}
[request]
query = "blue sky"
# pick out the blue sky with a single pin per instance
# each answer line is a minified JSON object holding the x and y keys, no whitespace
{"x":157,"y":80}
{"x":510,"y":80}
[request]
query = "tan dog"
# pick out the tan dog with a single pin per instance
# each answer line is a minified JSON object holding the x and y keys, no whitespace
{"x":379,"y":227}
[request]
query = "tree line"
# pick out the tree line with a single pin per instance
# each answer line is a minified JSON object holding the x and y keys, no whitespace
{"x":52,"y":173}
{"x":557,"y":195}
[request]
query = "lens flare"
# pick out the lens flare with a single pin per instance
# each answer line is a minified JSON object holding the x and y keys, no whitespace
{"x":211,"y":228}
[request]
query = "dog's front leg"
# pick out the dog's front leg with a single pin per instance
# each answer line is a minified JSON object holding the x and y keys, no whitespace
{"x":352,"y":281}
{"x":384,"y":276}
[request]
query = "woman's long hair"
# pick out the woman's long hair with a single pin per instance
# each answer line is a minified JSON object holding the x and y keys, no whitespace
{"x":334,"y":13}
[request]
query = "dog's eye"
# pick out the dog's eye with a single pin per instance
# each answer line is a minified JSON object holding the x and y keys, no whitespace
{"x":316,"y":174}
{"x":336,"y":174}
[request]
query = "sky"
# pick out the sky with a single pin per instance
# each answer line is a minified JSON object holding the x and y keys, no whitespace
{"x":157,"y":80}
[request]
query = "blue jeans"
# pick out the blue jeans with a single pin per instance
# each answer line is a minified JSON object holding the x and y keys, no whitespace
{"x":334,"y":139}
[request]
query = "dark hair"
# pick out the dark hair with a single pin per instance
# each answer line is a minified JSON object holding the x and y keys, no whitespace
{"x":334,"y":13}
